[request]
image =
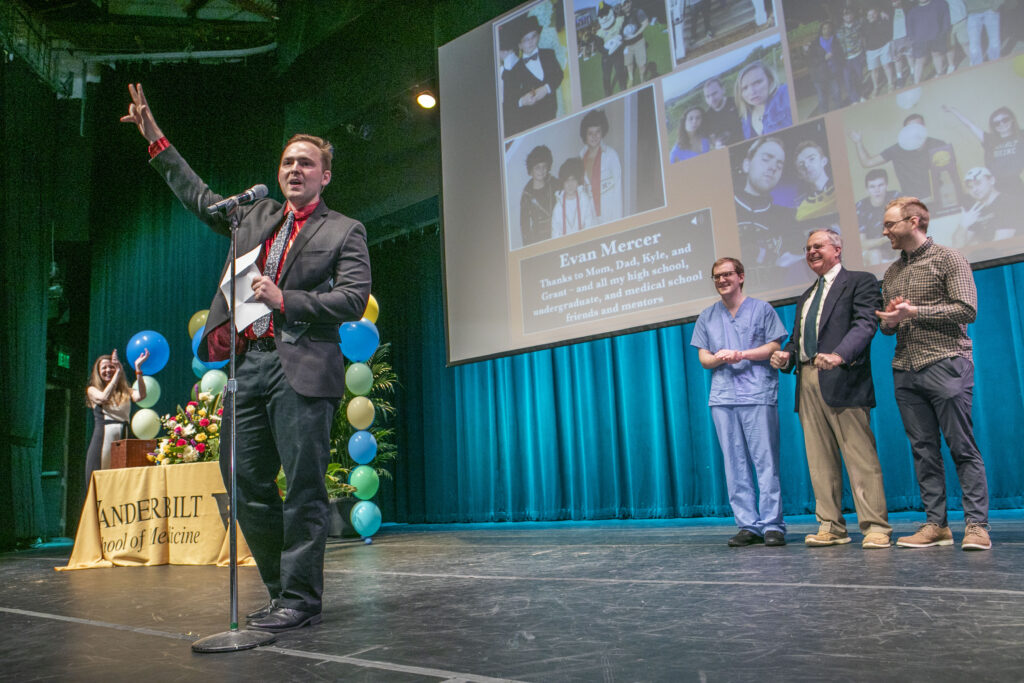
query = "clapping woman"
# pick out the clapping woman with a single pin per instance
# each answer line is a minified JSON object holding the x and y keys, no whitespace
{"x":110,"y":398}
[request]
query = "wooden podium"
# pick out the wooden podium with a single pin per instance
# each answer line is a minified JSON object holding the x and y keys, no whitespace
{"x":131,"y":453}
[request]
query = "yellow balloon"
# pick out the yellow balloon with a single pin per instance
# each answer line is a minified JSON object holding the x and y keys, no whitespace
{"x":197,"y":320}
{"x":372,"y":310}
{"x":360,"y":412}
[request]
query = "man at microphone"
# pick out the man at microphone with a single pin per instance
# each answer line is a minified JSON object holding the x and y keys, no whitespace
{"x":291,"y":374}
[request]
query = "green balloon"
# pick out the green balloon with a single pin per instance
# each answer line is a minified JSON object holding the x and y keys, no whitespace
{"x":213,"y":381}
{"x":152,"y":392}
{"x":359,"y":379}
{"x":366,"y":481}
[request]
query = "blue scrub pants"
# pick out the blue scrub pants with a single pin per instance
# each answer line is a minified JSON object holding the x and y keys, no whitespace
{"x":749,"y":436}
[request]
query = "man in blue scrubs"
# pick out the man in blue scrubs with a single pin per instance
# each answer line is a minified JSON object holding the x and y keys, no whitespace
{"x":735,"y":338}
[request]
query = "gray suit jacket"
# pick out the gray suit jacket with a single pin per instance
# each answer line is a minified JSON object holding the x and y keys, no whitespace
{"x":325,"y":278}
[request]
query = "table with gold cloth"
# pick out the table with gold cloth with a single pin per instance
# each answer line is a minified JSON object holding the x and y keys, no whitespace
{"x":168,"y":514}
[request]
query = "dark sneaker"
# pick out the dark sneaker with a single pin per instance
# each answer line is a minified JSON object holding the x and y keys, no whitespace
{"x":774,"y":538}
{"x":744,"y":538}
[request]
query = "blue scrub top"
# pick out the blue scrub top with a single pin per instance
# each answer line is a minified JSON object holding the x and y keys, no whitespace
{"x":747,"y":382}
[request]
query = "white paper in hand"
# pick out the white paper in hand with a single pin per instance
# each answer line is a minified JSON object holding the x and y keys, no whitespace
{"x":247,"y":309}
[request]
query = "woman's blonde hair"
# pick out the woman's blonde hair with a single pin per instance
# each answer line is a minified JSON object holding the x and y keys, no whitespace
{"x":741,"y":105}
{"x":122,"y":392}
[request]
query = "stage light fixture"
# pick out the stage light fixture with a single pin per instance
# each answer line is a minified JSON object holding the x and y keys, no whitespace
{"x":426,"y":99}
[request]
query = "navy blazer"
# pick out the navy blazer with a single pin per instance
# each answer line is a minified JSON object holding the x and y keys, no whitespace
{"x":846,"y":326}
{"x":325,"y":278}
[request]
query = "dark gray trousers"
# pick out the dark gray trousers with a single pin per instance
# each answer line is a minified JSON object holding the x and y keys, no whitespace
{"x":279,"y":428}
{"x":936,"y":398}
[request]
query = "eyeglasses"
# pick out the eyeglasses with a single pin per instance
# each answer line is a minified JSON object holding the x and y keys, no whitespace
{"x":1002,"y":120}
{"x":887,"y":225}
{"x":721,"y":276}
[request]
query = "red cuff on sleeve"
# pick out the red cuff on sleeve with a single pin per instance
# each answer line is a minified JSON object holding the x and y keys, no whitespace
{"x":158,"y":146}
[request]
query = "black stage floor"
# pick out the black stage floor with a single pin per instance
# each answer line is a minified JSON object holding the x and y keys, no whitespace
{"x":598,"y":601}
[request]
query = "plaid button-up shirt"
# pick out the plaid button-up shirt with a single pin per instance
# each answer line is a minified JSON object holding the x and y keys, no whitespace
{"x":938,"y":280}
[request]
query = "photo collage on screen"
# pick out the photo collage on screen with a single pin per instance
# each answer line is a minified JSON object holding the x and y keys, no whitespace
{"x":598,"y":99}
{"x":936,"y":116}
{"x":569,"y":168}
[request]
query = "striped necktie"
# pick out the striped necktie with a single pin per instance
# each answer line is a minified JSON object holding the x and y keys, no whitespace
{"x":262,"y":324}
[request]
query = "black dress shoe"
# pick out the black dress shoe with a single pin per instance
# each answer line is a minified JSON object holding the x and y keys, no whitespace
{"x":261,"y":612}
{"x":774,"y":538}
{"x":283,"y":619}
{"x":743,"y":538}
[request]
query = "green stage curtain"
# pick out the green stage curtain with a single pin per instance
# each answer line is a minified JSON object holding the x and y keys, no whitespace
{"x":154,"y":263}
{"x":29,"y":171}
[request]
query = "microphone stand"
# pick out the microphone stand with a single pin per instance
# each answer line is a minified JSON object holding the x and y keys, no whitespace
{"x":233,"y":639}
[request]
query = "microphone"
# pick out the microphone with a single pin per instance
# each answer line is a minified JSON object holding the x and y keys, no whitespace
{"x":227,"y":206}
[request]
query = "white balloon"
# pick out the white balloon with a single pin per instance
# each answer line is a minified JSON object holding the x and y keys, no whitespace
{"x":145,"y":424}
{"x":908,"y":98}
{"x":912,"y":136}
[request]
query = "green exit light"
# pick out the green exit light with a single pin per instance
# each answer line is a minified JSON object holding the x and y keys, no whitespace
{"x":64,"y":359}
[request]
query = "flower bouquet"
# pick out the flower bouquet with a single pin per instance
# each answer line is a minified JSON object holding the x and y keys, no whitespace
{"x":193,"y":434}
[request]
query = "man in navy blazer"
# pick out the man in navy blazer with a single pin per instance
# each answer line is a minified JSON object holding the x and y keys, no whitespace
{"x":830,"y":349}
{"x":291,"y":373}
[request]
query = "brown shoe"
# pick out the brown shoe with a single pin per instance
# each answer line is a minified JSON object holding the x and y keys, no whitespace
{"x":976,"y":537}
{"x":928,"y":534}
{"x":826,"y":536}
{"x":876,"y":539}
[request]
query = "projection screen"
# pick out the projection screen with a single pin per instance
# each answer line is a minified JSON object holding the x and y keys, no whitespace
{"x":597,"y":157}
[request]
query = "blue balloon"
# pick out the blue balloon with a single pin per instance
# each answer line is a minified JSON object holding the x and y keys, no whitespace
{"x":362,"y":447}
{"x":208,"y":365}
{"x":359,"y":340}
{"x":365,"y":518}
{"x":159,"y":351}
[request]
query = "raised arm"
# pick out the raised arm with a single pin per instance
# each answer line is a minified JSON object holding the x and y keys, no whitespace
{"x":867,"y":160}
{"x":140,"y":393}
{"x":141,"y":115}
{"x":978,"y":132}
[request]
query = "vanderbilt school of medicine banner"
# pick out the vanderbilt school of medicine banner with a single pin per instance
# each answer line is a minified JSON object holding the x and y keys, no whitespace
{"x":136,"y":516}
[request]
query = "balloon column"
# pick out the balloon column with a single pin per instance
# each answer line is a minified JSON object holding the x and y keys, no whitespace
{"x":359,"y":340}
{"x":146,"y":423}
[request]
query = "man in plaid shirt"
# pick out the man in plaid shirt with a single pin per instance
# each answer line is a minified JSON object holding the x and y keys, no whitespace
{"x":931,"y":299}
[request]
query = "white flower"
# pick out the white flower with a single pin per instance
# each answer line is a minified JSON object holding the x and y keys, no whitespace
{"x":189,"y":430}
{"x":190,"y":454}
{"x":205,"y":396}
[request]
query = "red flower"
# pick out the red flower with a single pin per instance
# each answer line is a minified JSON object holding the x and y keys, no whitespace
{"x":177,"y":430}
{"x":201,"y":448}
{"x":193,"y":403}
{"x":220,"y":411}
{"x":204,"y":422}
{"x":181,"y":442}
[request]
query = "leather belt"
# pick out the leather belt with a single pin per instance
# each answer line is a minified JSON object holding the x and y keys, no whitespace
{"x":261,"y":344}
